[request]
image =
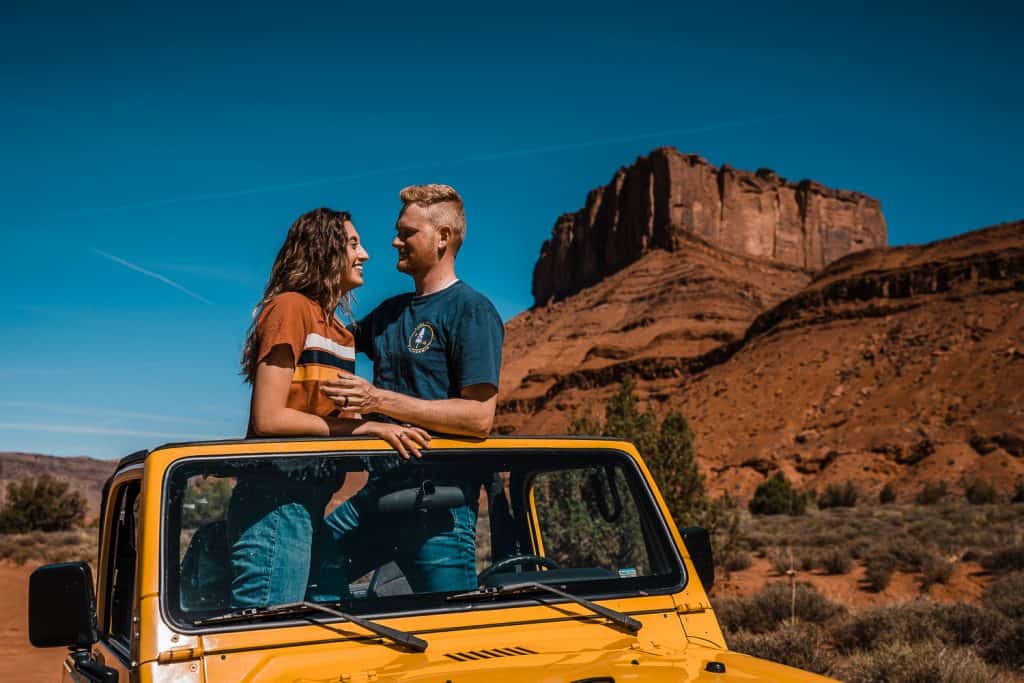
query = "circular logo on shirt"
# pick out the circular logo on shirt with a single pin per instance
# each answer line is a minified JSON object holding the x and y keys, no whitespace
{"x":421,"y":339}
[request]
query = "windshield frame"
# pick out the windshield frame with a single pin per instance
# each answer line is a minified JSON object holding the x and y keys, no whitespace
{"x":169,"y":572}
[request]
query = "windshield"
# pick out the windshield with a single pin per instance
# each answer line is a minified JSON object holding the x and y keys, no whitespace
{"x":371,"y":534}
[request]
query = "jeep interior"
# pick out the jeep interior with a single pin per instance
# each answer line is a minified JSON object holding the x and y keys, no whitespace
{"x":579,"y":521}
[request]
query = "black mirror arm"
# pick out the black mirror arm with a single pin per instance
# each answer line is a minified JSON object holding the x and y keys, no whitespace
{"x":91,"y":669}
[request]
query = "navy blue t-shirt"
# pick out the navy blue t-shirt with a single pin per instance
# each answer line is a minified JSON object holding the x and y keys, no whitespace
{"x":432,"y":346}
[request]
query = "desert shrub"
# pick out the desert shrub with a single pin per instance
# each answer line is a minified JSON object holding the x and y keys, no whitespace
{"x":931,"y":493}
{"x":901,"y":662}
{"x":737,"y":561}
{"x":1006,"y":595}
{"x":798,"y":645}
{"x":838,"y":496}
{"x":836,"y":561}
{"x":935,"y":569}
{"x":802,"y":559}
{"x":912,"y":622}
{"x":979,"y":492}
{"x":41,"y":503}
{"x":1018,"y":493}
{"x":887,"y":494}
{"x":1007,"y":646}
{"x":878,"y":571}
{"x":773,"y":605}
{"x":1005,"y":560}
{"x":776,"y":496}
{"x":49,"y":546}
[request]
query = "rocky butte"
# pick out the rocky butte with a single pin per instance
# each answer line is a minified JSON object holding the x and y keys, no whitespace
{"x":666,"y":198}
{"x":774,"y":317}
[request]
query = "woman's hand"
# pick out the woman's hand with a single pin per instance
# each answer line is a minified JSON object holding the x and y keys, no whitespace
{"x":352,"y":393}
{"x":404,"y":439}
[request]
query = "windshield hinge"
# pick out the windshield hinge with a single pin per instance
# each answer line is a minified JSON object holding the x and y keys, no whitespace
{"x":359,"y":677}
{"x":692,"y":608}
{"x":181,"y":654}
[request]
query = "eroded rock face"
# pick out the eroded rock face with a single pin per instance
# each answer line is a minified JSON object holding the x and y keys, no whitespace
{"x":667,"y":196}
{"x":891,"y":366}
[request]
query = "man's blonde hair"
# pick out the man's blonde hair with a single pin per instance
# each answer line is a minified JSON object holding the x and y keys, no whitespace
{"x":445,"y":206}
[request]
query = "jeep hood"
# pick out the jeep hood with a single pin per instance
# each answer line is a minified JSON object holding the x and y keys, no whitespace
{"x":632,"y":664}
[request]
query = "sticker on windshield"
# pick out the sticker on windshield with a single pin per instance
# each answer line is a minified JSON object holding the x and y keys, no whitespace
{"x":627,"y":572}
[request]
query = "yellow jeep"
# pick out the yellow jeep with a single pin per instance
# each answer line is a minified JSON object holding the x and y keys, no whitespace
{"x":580,"y":574}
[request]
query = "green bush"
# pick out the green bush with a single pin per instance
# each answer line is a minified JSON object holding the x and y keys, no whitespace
{"x":798,"y":645}
{"x":667,"y":450}
{"x":838,"y":496}
{"x":887,"y":494}
{"x":41,"y":503}
{"x":979,"y":492}
{"x":931,"y":493}
{"x":776,"y":496}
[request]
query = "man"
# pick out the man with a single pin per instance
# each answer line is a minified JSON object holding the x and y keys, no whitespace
{"x":436,"y":356}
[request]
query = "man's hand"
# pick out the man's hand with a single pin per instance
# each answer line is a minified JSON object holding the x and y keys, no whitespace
{"x":406,"y":440}
{"x":352,"y":393}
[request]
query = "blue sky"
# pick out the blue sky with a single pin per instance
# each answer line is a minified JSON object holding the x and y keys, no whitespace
{"x":154,"y":158}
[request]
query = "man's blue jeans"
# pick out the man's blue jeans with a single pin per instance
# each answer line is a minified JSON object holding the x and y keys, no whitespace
{"x":276,"y":534}
{"x":436,"y":550}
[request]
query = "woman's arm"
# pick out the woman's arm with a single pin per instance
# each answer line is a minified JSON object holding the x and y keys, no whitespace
{"x":270,"y":416}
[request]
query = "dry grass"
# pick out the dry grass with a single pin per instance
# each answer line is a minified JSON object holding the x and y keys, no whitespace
{"x":920,"y":640}
{"x":49,"y":546}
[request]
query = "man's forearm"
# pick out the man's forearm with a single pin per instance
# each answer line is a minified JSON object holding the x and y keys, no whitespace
{"x":461,"y":416}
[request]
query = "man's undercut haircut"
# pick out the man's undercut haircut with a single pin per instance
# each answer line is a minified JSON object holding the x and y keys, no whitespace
{"x":445,"y":206}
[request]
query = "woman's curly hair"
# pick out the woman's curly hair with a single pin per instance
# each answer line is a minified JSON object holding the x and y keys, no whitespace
{"x":310,"y":262}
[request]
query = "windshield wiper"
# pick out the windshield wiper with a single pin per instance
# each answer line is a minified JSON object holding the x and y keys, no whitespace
{"x":624,"y":620}
{"x":296,"y":608}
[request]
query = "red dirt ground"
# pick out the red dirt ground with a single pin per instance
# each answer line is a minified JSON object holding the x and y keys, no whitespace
{"x":19,"y":661}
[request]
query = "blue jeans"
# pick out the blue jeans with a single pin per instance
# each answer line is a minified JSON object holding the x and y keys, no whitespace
{"x":276,"y":534}
{"x":436,"y":550}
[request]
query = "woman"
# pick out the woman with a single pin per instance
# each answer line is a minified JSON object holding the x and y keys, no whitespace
{"x":296,"y":343}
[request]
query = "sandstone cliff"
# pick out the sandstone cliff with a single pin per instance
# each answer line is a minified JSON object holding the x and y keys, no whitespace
{"x":897,"y":365}
{"x":667,"y":196}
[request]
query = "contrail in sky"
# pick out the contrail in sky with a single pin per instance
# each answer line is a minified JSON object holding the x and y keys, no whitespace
{"x":101,"y":431}
{"x":149,"y":273}
{"x":93,"y":412}
{"x":312,"y":182}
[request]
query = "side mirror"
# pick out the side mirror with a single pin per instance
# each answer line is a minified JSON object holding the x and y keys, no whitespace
{"x":423,"y":498}
{"x":698,"y":544}
{"x":62,"y":606}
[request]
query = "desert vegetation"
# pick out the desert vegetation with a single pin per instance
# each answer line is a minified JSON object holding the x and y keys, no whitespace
{"x":42,"y":520}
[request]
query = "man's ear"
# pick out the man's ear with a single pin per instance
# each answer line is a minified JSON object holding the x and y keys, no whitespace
{"x":444,"y":236}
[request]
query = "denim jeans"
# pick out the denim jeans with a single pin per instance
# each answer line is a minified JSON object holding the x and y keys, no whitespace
{"x":276,"y":534}
{"x":436,"y":549}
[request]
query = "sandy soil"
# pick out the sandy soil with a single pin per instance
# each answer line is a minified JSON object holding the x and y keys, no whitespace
{"x":966,"y":585}
{"x":19,"y":661}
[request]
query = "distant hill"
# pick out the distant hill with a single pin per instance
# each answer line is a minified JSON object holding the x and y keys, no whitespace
{"x":86,"y":475}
